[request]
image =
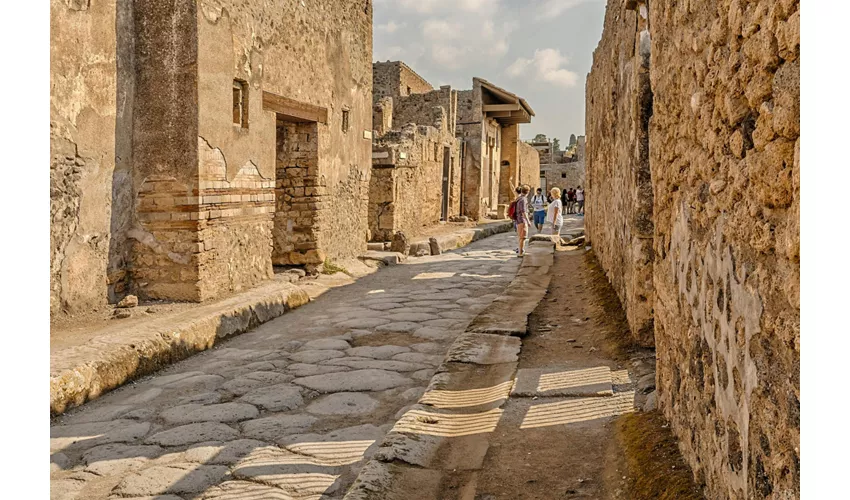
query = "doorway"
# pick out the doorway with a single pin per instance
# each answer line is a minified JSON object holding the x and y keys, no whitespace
{"x":296,"y":178}
{"x":447,"y":171}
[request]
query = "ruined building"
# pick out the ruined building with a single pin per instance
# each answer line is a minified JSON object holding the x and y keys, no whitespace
{"x":693,"y":147}
{"x":415,"y":179}
{"x":564,"y":171}
{"x":441,"y":153}
{"x":194,"y":146}
{"x":493,"y":157}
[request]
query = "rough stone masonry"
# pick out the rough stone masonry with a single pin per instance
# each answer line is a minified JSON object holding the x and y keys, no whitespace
{"x":693,"y":199}
{"x":196,"y":143}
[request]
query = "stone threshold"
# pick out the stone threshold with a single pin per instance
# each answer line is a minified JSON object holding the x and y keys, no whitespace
{"x":437,"y":447}
{"x":118,"y":354}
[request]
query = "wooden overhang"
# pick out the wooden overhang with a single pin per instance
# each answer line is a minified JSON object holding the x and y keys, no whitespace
{"x":510,"y":110}
{"x":294,"y":111}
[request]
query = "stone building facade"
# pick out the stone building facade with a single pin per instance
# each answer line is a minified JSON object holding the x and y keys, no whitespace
{"x":488,"y":124}
{"x":567,"y":172}
{"x":394,"y":78}
{"x":694,"y":214}
{"x":240,"y":138}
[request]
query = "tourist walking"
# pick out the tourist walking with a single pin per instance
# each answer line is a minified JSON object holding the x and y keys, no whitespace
{"x":521,"y":218}
{"x":538,"y":204}
{"x":580,"y":200}
{"x":571,"y":201}
{"x":555,"y":214}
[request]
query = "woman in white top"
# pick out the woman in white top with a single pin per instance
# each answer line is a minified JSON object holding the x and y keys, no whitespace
{"x":555,"y":214}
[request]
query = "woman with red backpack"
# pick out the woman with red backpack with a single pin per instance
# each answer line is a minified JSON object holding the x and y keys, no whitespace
{"x":520,"y":217}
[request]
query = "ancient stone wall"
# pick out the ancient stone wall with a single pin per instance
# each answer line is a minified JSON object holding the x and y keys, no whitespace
{"x":565,"y":175}
{"x":86,"y":154}
{"x":406,"y":188}
{"x":429,"y":108}
{"x":529,"y":165}
{"x":723,"y":152}
{"x":394,"y":79}
{"x":161,"y":184}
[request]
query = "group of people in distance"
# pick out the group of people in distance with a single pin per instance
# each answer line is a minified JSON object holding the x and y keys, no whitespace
{"x":546,"y":211}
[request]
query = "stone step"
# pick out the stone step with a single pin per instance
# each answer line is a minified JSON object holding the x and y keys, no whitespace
{"x":564,"y":382}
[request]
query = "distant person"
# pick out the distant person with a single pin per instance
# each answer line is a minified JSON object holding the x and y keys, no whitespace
{"x":555,"y":215}
{"x":580,"y":200}
{"x":538,"y":204}
{"x":564,"y":199}
{"x":571,"y":201}
{"x":512,"y":210}
{"x":521,"y":218}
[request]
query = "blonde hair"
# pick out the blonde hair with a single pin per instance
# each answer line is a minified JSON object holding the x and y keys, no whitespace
{"x":555,"y":192}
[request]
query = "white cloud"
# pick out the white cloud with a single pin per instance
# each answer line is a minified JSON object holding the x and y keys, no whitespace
{"x":546,"y":65}
{"x":554,"y":8}
{"x":390,"y":27}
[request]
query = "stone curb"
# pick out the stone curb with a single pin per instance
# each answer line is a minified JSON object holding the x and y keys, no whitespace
{"x":418,"y":465}
{"x":121,"y":354}
{"x":460,"y":238}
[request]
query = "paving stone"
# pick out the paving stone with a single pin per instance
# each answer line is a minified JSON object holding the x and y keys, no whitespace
{"x":178,"y":478}
{"x":353,"y":381}
{"x":305,"y":370}
{"x":448,"y":324}
{"x":141,"y":414}
{"x":193,"y":433}
{"x":314,"y":356}
{"x":322,"y":344}
{"x":118,"y":467}
{"x":223,"y":412}
{"x":276,"y":426}
{"x":281,"y":397}
{"x":118,"y":451}
{"x":203,"y":398}
{"x":415,"y":310}
{"x":364,"y":432}
{"x":343,"y":403}
{"x":377,"y":352}
{"x":243,"y":354}
{"x":163,"y":380}
{"x":378,"y":364}
{"x":137,"y":398}
{"x":65,"y":489}
{"x":423,"y":374}
{"x":417,"y":357}
{"x":435,"y":452}
{"x":245,"y":384}
{"x":399,"y":327}
{"x":363,"y":323}
{"x":412,"y":394}
{"x":84,"y":436}
{"x":222,"y":453}
{"x":428,"y":348}
{"x":100,"y":414}
{"x":427,"y":303}
{"x":385,"y":306}
{"x":385,"y":481}
{"x":412,"y":317}
{"x":198,"y":381}
{"x":433,"y":333}
{"x":455,"y":315}
{"x":260,"y":366}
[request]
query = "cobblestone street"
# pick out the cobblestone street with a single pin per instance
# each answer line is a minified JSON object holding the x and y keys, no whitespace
{"x":292,"y":409}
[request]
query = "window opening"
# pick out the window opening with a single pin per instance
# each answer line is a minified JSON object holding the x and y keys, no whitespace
{"x":240,"y":103}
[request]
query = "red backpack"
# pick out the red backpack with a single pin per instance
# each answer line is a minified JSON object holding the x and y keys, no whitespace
{"x":512,"y":210}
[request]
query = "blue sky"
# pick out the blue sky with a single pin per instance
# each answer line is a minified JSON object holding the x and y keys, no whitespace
{"x":541,"y":50}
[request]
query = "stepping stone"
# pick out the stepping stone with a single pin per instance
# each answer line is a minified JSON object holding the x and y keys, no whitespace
{"x":366,"y":432}
{"x":271,"y":428}
{"x":172,"y":478}
{"x":193,"y":433}
{"x":304,"y":370}
{"x":551,"y":381}
{"x":377,"y":352}
{"x":354,"y":381}
{"x":281,"y":397}
{"x":314,"y":356}
{"x":483,"y":349}
{"x":322,"y":344}
{"x":224,"y":412}
{"x":343,"y":403}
